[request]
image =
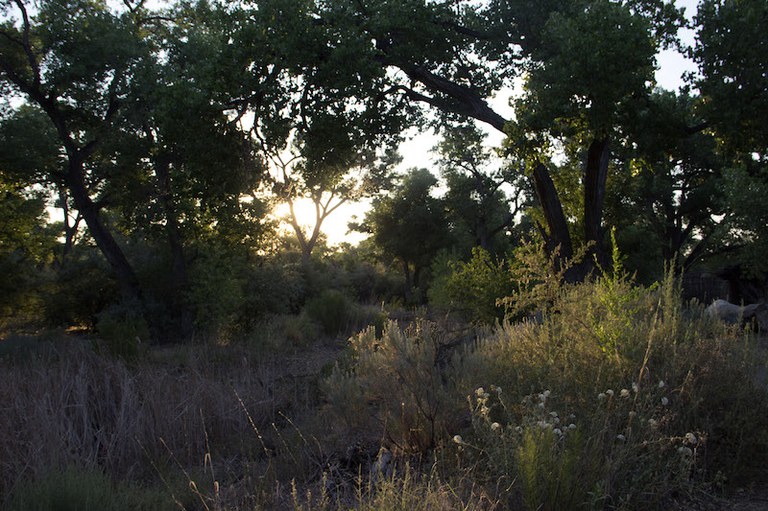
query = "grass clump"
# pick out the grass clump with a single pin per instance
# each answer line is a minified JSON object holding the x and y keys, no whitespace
{"x":78,"y":489}
{"x":622,"y":398}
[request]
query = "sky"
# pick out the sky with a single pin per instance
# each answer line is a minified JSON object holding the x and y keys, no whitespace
{"x":416,"y":149}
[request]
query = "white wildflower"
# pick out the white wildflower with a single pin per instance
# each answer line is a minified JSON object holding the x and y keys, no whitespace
{"x":664,"y":401}
{"x":457,"y":439}
{"x":601,"y":396}
{"x":609,"y":392}
{"x":557,"y":431}
{"x":624,"y":393}
{"x":547,"y":393}
{"x":495,"y":426}
{"x":571,"y":426}
{"x":691,"y":438}
{"x":480,"y":391}
{"x":635,"y":388}
{"x":621,"y":438}
{"x":662,"y":384}
{"x":553,"y":414}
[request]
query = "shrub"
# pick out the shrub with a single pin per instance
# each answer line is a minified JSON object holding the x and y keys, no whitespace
{"x":659,"y":396}
{"x":123,"y":330}
{"x":398,"y":386}
{"x":216,"y":293}
{"x":332,"y":310}
{"x":474,"y":287}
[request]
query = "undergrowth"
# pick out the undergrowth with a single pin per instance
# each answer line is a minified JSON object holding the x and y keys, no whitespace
{"x":617,"y":397}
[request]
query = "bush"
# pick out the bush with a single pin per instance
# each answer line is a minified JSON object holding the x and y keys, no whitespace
{"x":403,"y":375}
{"x":621,"y":399}
{"x":332,"y":310}
{"x":474,"y":287}
{"x":217,"y":290}
{"x":123,"y":331}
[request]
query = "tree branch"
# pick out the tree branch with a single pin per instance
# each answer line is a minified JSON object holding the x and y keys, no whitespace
{"x":467,"y":101}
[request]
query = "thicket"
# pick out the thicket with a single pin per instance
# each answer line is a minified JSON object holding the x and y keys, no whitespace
{"x":621,"y":397}
{"x":617,"y":396}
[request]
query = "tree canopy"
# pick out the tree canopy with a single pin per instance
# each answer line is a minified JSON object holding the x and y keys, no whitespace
{"x":165,"y":130}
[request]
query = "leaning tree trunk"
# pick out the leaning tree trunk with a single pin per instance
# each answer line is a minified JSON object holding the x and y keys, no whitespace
{"x":126,"y":277}
{"x":557,"y":237}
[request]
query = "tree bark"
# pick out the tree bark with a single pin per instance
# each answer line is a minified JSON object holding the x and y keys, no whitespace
{"x":129,"y":282}
{"x":595,"y":177}
{"x":179,"y":272}
{"x":557,"y":234}
{"x":408,"y":281}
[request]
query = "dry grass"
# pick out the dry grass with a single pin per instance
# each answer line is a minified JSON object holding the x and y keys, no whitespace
{"x":76,"y":408}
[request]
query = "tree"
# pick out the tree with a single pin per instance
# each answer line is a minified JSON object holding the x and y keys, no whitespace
{"x":327,"y":167}
{"x":476,"y":200}
{"x":732,"y":54}
{"x":72,"y":60}
{"x":409,"y":226}
{"x":665,"y":199}
{"x":139,"y":110}
{"x":27,"y":245}
{"x":451,"y":55}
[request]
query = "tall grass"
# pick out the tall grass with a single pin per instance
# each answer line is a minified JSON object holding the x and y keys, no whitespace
{"x":76,"y":408}
{"x":621,"y":397}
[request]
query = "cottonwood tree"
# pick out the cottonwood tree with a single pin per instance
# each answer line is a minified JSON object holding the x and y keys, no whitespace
{"x":328,"y":166}
{"x":476,"y":200}
{"x":665,"y":196}
{"x":409,"y":226}
{"x":143,"y":106}
{"x":731,"y":51}
{"x":583,"y":62}
{"x":73,"y":60}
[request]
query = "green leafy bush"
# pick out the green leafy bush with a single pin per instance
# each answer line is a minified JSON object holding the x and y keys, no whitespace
{"x":474,"y":287}
{"x":331,"y":309}
{"x":620,"y":399}
{"x":123,"y":331}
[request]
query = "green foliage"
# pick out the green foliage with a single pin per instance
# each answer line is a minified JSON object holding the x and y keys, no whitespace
{"x":538,"y":278}
{"x":217,"y":290}
{"x":331,"y":309}
{"x":731,"y":55}
{"x":409,"y":226}
{"x":124,"y":331}
{"x":78,"y":489}
{"x":474,"y":287}
{"x":744,"y":196}
{"x":618,"y":399}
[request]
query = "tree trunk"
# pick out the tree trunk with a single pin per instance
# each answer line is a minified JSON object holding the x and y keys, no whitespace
{"x":129,"y":282}
{"x":180,"y":274}
{"x":595,"y":177}
{"x":408,"y":282}
{"x":557,"y":234}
